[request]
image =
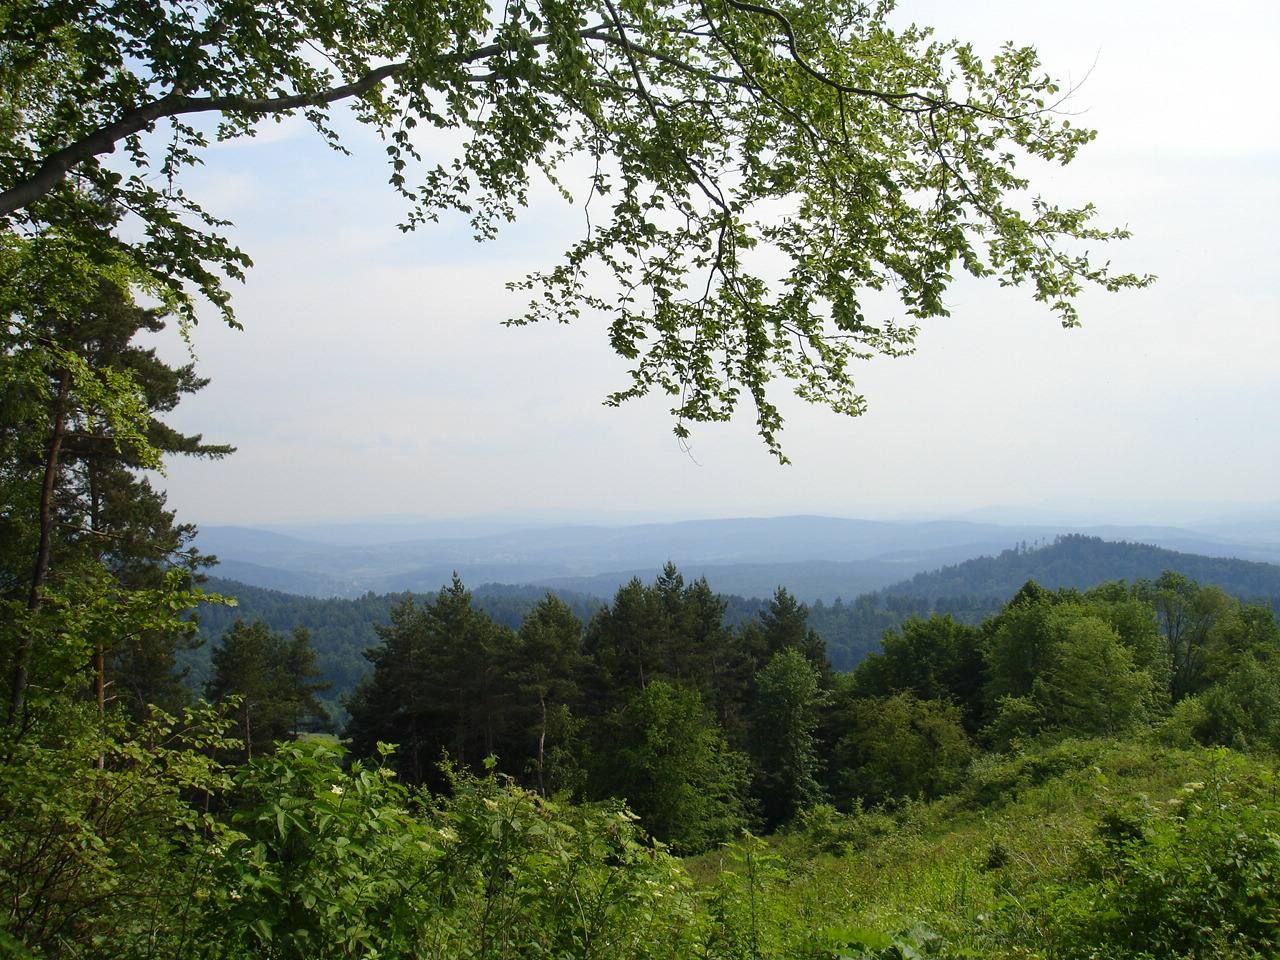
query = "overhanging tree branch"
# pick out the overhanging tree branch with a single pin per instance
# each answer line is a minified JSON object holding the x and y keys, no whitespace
{"x":103,"y":140}
{"x":816,"y":133}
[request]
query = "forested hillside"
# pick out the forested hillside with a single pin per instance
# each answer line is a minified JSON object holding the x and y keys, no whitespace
{"x":1034,"y":785}
{"x":341,"y":630}
{"x":976,"y":588}
{"x":1082,"y":562}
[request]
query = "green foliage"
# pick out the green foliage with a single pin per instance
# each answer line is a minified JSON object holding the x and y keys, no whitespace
{"x":321,"y":862}
{"x":1015,"y":720}
{"x":270,"y":681}
{"x":440,"y":683}
{"x":1242,"y":710}
{"x":49,"y":284}
{"x":900,"y":747}
{"x":934,"y":659}
{"x":549,"y":665}
{"x":101,"y":845}
{"x":915,"y":944}
{"x":80,"y":417}
{"x":784,"y":625}
{"x":670,"y":630}
{"x":120,"y":839}
{"x":816,"y":111}
{"x":1195,"y":878}
{"x":997,"y":780}
{"x":542,"y":879}
{"x":342,"y":629}
{"x":825,"y":829}
{"x":742,"y":922}
{"x":1028,"y":865}
{"x":1188,"y":614}
{"x":1090,"y":684}
{"x":1055,"y":664}
{"x":784,"y":743}
{"x":671,"y":765}
{"x":338,"y":863}
{"x":88,"y":608}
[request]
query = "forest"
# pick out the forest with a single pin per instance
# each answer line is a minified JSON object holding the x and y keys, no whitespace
{"x":1076,"y":774}
{"x":850,"y":629}
{"x":1082,"y":771}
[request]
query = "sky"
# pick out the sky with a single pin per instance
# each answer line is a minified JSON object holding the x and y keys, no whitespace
{"x":373,"y":375}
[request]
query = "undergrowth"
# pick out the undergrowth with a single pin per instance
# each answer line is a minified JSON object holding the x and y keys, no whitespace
{"x":1080,"y":849}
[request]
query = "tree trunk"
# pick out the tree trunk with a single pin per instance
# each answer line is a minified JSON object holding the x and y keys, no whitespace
{"x":100,"y":693}
{"x":248,"y":735}
{"x":99,"y":653}
{"x":542,"y":742}
{"x":22,"y":668}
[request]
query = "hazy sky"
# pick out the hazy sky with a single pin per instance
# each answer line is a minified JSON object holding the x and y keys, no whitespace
{"x":373,"y":376}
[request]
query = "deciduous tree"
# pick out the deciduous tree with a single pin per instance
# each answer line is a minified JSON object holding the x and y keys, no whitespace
{"x":784,"y":741}
{"x":1187,"y":613}
{"x":667,"y":758}
{"x":755,"y":168}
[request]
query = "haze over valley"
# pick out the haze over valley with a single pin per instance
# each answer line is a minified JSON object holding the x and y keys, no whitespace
{"x":814,"y":557}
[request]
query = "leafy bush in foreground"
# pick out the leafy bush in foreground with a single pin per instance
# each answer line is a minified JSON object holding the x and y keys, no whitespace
{"x":333,"y":863}
{"x":1198,"y":877}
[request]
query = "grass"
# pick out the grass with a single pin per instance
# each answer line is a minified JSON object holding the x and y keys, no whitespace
{"x":970,"y":865}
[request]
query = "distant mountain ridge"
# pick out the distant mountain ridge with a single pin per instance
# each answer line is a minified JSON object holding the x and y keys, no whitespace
{"x":803,"y":552}
{"x":1082,"y":562}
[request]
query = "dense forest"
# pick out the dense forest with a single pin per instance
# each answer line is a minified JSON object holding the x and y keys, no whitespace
{"x":341,"y":630}
{"x":657,"y":701}
{"x":1082,"y":562}
{"x":523,"y":776}
{"x":1081,"y":771}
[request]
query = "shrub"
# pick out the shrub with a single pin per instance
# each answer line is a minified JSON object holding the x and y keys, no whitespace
{"x":1182,"y":881}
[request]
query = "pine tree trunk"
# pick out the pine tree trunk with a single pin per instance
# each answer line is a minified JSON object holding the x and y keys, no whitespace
{"x":99,"y":653}
{"x":100,"y":692}
{"x":248,"y":735}
{"x":542,"y":742}
{"x":22,"y":668}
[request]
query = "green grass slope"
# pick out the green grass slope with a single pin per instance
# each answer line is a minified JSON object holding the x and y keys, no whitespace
{"x":1095,"y":848}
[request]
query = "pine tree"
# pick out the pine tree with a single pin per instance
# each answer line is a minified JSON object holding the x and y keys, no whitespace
{"x":272,"y":678}
{"x":547,"y":672}
{"x":439,"y":687}
{"x":81,"y":407}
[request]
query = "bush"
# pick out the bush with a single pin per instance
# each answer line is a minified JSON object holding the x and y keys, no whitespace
{"x":101,"y":849}
{"x":996,"y":780}
{"x":824,"y":829}
{"x":333,"y":864}
{"x":902,"y":747}
{"x":1183,"y":881}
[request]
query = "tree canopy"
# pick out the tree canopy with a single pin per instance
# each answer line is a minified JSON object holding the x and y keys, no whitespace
{"x":755,"y":169}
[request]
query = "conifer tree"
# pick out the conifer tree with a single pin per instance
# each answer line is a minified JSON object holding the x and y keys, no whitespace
{"x":547,"y":676}
{"x":440,"y":687}
{"x":80,"y":417}
{"x":273,"y":678}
